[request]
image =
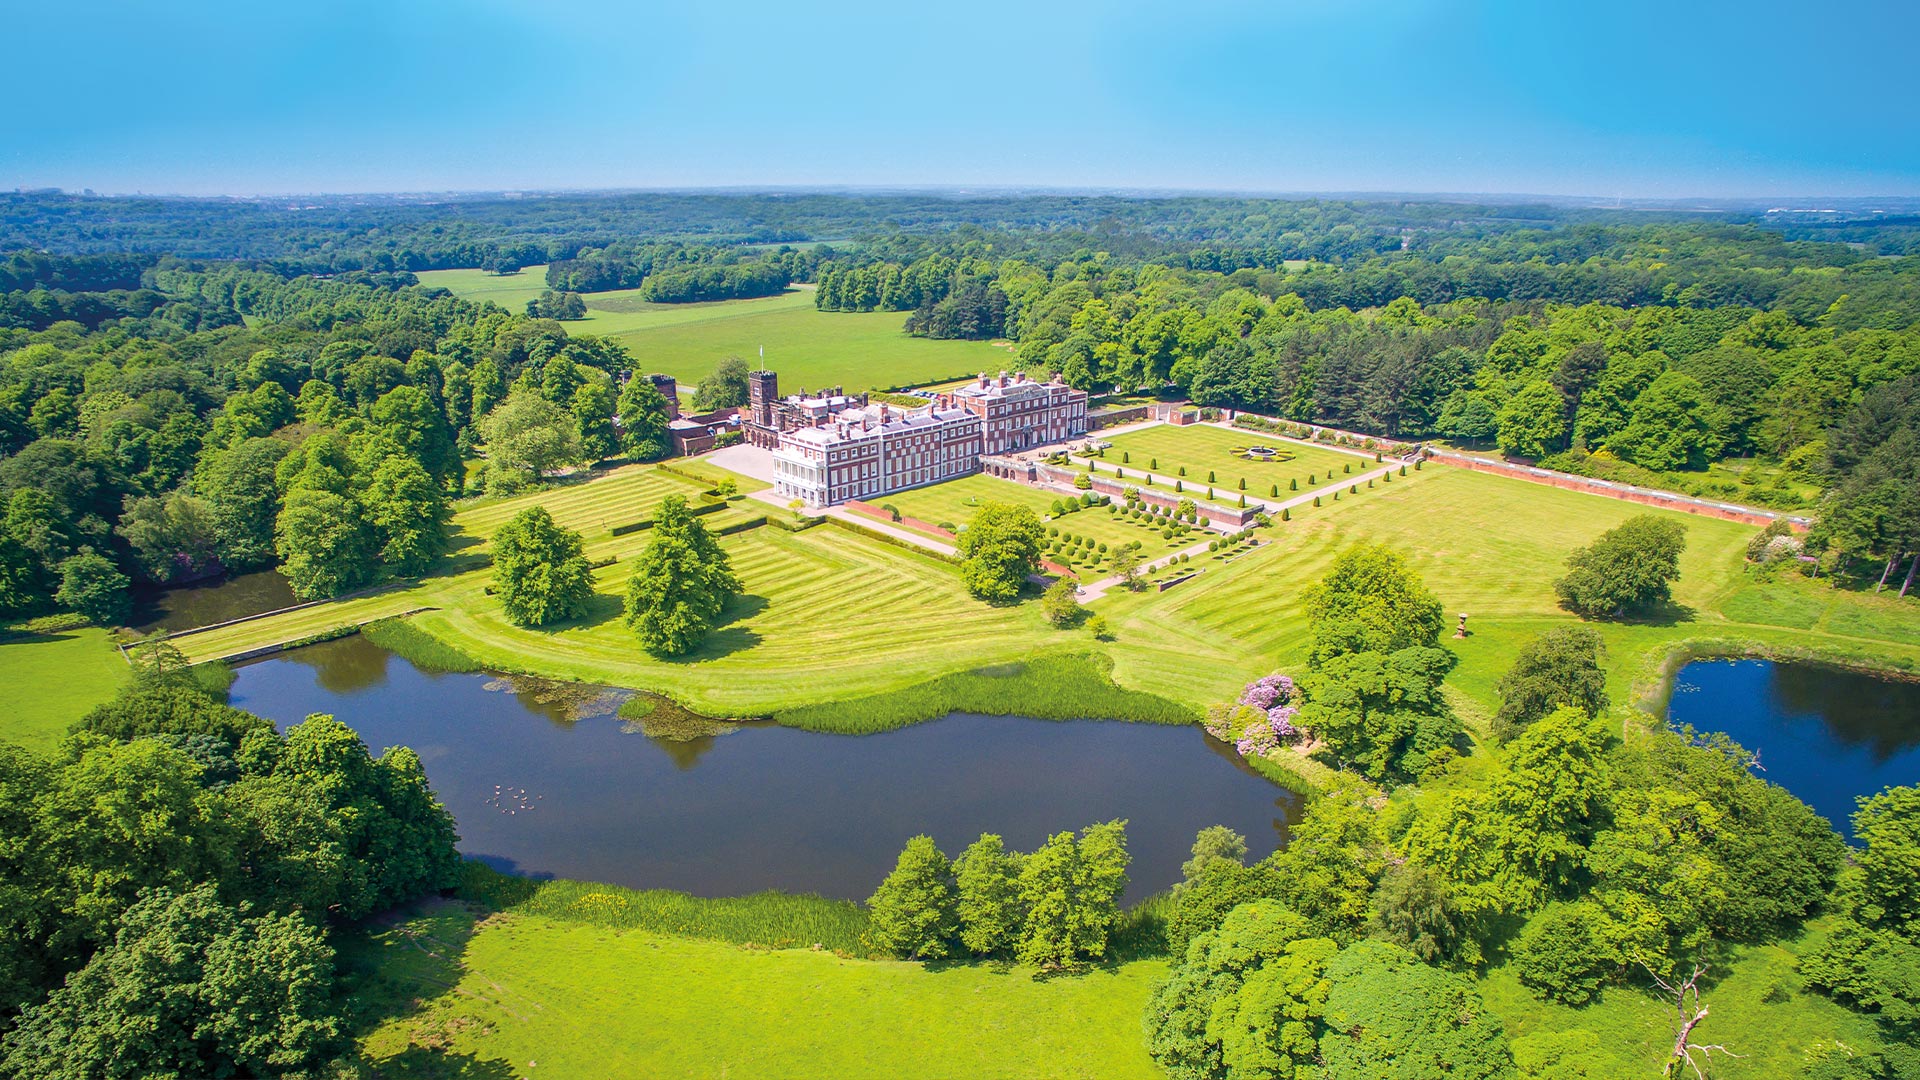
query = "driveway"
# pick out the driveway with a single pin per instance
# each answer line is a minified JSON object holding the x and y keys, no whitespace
{"x":745,"y":459}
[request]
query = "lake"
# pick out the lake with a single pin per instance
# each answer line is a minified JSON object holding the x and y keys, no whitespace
{"x":544,"y":779}
{"x":1823,"y":733}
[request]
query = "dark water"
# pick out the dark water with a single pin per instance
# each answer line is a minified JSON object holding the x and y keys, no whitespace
{"x":762,"y":807}
{"x":1824,"y":734}
{"x":213,"y":601}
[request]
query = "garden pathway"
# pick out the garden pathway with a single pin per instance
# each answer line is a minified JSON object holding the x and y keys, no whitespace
{"x":908,"y":535}
{"x":1096,"y":590}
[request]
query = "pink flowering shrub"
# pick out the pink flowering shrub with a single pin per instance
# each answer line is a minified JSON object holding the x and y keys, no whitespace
{"x":1280,"y":718}
{"x":1267,"y":692}
{"x":1258,"y":739}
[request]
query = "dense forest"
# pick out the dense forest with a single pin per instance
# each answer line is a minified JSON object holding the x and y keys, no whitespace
{"x":195,"y":386}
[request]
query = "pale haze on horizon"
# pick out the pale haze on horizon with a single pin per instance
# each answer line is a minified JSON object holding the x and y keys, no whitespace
{"x":1632,"y":99}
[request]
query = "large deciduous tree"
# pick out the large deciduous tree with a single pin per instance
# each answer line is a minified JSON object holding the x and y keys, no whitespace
{"x":643,"y":421}
{"x":528,"y":436}
{"x":540,"y":570}
{"x":1560,"y":667}
{"x":681,"y":583}
{"x":1371,"y":601}
{"x":999,"y":548}
{"x":911,"y":914}
{"x":189,"y":987}
{"x":1630,"y":568}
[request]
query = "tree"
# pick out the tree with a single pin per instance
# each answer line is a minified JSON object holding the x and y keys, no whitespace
{"x":1559,"y":667}
{"x":1391,"y":1017}
{"x":1411,"y":909}
{"x":1202,"y":899}
{"x":725,"y":387}
{"x":1672,"y":426}
{"x":1382,"y":713}
{"x":1563,"y":953}
{"x":409,"y":511}
{"x":1533,"y":421}
{"x":540,"y":570}
{"x":1126,"y":564}
{"x":987,"y":881}
{"x":91,"y":585}
{"x":1243,"y":999}
{"x":593,"y":407}
{"x":173,"y":536}
{"x":324,"y":543}
{"x":238,"y":485}
{"x":1371,"y":601}
{"x":643,"y":421}
{"x":189,"y":987}
{"x":528,"y":434}
{"x":911,"y":914}
{"x":999,"y":549}
{"x":408,"y":416}
{"x":1630,"y":568}
{"x":1214,"y":844}
{"x":680,"y":584}
{"x":1058,"y":602}
{"x":1070,"y":890}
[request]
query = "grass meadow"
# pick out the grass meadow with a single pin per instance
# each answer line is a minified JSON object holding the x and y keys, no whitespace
{"x":53,"y":678}
{"x":525,"y":995}
{"x":810,"y":348}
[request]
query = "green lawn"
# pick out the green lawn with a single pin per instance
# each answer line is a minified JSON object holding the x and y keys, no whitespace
{"x":1490,"y":547}
{"x":809,"y":348}
{"x":53,"y":678}
{"x":862,"y":617}
{"x":957,"y":501}
{"x":1204,"y":448}
{"x":528,"y":996}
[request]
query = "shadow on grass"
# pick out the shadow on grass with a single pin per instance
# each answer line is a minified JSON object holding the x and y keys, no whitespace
{"x":728,"y":636}
{"x":402,"y":967}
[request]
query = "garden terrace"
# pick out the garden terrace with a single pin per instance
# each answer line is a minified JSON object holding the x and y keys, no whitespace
{"x":956,"y":501}
{"x":1204,"y":448}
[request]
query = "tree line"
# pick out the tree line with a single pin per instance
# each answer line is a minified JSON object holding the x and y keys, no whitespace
{"x":173,"y":876}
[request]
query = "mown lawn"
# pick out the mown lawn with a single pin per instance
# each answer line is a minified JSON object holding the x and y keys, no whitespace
{"x":1204,"y":449}
{"x":528,"y":996}
{"x":834,"y":616}
{"x":1490,"y":547}
{"x":957,"y":501}
{"x":809,"y":348}
{"x":52,"y":679}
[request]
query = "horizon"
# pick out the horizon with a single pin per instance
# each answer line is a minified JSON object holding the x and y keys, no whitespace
{"x":1387,"y":96}
{"x":1700,"y":203}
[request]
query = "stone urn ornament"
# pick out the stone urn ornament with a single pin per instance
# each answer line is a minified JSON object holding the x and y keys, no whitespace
{"x":1461,"y":630}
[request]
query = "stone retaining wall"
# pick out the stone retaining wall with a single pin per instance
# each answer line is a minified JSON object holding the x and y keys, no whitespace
{"x":1665,"y":500}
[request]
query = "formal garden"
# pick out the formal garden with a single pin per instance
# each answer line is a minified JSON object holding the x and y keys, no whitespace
{"x":1193,"y":453}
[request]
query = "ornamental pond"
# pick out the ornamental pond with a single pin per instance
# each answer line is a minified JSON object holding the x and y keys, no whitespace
{"x":544,"y":779}
{"x":1823,"y":733}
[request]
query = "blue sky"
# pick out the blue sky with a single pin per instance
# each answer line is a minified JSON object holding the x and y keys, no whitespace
{"x":1629,"y":98}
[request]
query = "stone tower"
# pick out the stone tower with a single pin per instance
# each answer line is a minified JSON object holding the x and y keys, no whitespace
{"x":763,"y":389}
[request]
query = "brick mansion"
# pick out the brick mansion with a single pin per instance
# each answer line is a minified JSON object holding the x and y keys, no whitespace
{"x":831,"y":447}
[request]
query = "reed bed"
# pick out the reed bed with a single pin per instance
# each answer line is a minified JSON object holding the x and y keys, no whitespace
{"x":1064,"y":687}
{"x":773,"y":920}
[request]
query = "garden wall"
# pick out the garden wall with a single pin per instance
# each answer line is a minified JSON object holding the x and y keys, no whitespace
{"x":1665,"y":500}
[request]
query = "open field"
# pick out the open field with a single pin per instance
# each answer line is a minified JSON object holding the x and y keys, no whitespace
{"x":496,"y":998}
{"x":53,"y":678}
{"x":807,"y":347}
{"x":1204,"y":448}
